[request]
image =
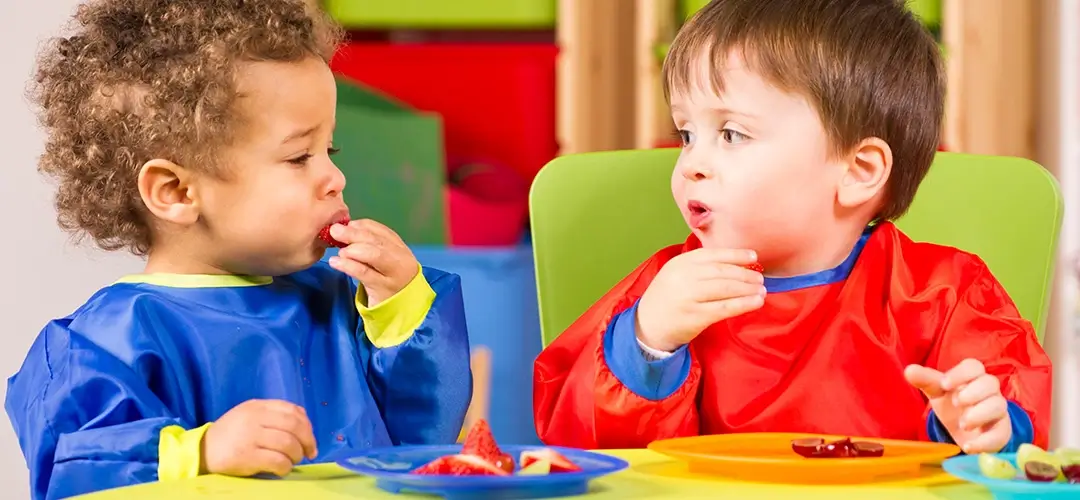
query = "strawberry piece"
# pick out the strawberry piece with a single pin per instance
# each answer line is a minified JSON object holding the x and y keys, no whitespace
{"x":480,"y":442}
{"x":755,"y":267}
{"x":460,"y":465}
{"x":324,"y":235}
{"x":558,"y":462}
{"x":441,"y":465}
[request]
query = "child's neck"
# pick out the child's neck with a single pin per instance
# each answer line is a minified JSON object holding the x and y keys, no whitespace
{"x":828,"y":251}
{"x":165,"y":260}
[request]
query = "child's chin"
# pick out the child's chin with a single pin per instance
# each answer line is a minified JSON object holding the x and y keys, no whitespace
{"x":298,"y":262}
{"x":711,"y":238}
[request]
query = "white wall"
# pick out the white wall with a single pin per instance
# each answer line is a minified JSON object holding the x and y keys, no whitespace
{"x":43,"y":275}
{"x":1064,"y":161}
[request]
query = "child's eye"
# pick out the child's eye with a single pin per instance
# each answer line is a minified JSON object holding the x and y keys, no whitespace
{"x":332,"y":151}
{"x":300,"y":160}
{"x":686,"y":137}
{"x":732,"y":136}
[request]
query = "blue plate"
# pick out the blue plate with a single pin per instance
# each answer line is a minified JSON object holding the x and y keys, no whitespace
{"x":390,"y":467}
{"x":966,"y":467}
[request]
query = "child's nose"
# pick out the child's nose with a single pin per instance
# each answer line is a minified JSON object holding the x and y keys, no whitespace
{"x":697,"y":171}
{"x":337,"y":181}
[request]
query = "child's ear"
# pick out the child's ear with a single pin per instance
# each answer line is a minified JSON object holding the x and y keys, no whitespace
{"x":867,"y":170}
{"x":166,"y":190}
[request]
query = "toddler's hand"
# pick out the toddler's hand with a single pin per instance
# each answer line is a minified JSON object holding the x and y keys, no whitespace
{"x":693,"y":291}
{"x":968,"y":402}
{"x":376,"y":256}
{"x":258,"y":436}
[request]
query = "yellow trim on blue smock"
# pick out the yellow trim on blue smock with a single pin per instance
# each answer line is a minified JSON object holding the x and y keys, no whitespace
{"x":180,"y":452}
{"x":394,"y":320}
{"x":196,"y":280}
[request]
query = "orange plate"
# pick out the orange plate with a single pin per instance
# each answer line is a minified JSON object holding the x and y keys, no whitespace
{"x":769,"y":457}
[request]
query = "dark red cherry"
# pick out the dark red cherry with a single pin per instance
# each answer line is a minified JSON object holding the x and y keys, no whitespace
{"x":1041,"y":471}
{"x":1072,"y":473}
{"x":868,"y":449}
{"x":808,"y":447}
{"x":839,"y":449}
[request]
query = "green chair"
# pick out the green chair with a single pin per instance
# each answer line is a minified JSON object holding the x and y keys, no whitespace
{"x":596,"y":216}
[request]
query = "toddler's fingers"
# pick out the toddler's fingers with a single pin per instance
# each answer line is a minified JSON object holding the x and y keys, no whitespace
{"x":984,"y":413}
{"x":730,"y":308}
{"x":354,"y":268}
{"x":983,"y":387}
{"x":354,"y":233}
{"x":927,"y":380}
{"x":293,"y":419}
{"x":721,"y":290}
{"x":280,"y":441}
{"x":273,"y":462}
{"x":964,"y":372}
{"x":369,"y":255}
{"x":729,"y":272}
{"x":739,"y":257}
{"x":991,"y":440}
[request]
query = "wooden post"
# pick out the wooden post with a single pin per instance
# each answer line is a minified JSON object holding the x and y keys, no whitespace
{"x":595,"y":97}
{"x":480,"y":405}
{"x":657,"y":23}
{"x":991,"y":53}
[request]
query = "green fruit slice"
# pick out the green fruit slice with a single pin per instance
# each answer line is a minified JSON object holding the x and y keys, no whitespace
{"x":995,"y":467}
{"x":1067,"y":456}
{"x":1028,"y":452}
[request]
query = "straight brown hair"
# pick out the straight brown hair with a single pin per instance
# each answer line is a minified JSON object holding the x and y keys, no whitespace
{"x":869,"y":67}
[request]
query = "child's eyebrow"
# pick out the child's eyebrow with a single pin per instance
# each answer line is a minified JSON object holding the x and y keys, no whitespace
{"x":732,"y":112}
{"x":299,"y":134}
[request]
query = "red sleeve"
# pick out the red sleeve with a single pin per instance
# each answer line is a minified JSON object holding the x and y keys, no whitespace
{"x":574,"y":390}
{"x":985,"y":325}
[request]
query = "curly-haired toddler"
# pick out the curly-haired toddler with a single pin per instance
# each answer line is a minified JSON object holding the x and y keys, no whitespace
{"x":198,"y":134}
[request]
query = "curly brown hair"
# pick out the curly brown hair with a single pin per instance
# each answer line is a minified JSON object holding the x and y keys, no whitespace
{"x":145,"y":79}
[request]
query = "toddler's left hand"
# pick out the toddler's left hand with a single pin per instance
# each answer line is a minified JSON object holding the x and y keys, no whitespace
{"x":376,"y":256}
{"x":968,"y":402}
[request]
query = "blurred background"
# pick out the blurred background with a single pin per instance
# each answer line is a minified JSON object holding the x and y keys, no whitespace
{"x":448,"y":108}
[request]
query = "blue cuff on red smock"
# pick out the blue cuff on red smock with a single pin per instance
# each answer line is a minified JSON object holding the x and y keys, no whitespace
{"x":652,"y":380}
{"x":1022,"y":429}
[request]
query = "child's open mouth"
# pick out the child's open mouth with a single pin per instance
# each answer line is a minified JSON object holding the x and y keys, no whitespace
{"x":700,"y":214}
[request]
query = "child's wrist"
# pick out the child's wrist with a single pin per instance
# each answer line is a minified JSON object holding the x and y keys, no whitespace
{"x":646,"y":340}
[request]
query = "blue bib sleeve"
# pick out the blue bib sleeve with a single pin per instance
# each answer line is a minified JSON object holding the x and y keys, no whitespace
{"x":85,"y":420}
{"x":1022,"y":429}
{"x":423,"y":385}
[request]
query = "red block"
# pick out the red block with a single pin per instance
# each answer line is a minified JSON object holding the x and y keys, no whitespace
{"x":497,"y":100}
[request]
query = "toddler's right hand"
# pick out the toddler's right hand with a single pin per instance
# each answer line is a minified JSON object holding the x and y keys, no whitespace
{"x":258,"y":436}
{"x":695,"y":290}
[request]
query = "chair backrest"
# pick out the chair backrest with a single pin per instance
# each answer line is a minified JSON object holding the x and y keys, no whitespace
{"x":596,"y":216}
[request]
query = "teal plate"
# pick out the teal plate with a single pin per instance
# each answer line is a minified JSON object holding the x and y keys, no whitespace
{"x":966,"y":467}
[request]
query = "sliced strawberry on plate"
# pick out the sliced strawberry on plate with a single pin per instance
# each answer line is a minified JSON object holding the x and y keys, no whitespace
{"x":480,"y":442}
{"x":441,"y":465}
{"x":460,"y":465}
{"x":558,"y":462}
{"x":755,"y":267}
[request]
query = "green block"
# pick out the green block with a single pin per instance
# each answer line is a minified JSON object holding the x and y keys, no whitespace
{"x":687,"y":8}
{"x":355,"y":94}
{"x":929,"y":11}
{"x":394,"y":165}
{"x":442,"y":14}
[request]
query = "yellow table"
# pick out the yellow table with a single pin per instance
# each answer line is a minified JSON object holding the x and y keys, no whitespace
{"x":651,"y":475}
